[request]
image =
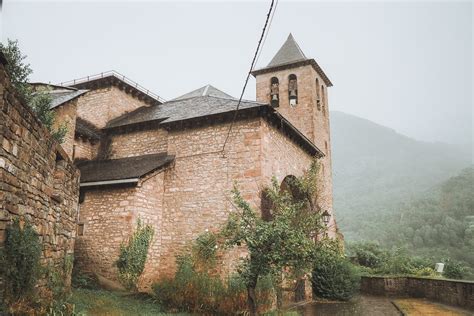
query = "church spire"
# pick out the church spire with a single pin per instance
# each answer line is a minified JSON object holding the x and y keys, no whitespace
{"x":290,"y":52}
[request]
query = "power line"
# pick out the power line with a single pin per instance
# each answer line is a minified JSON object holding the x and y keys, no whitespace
{"x":269,"y":26}
{"x":248,"y":75}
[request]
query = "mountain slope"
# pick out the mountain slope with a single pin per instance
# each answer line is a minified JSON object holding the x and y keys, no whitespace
{"x":376,"y":169}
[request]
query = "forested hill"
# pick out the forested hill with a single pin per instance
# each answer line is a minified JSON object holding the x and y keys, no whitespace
{"x":376,"y":169}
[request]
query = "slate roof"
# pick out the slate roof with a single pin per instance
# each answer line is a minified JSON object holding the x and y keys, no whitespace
{"x":202,"y":102}
{"x":61,"y":96}
{"x":86,"y":128}
{"x":288,"y":56}
{"x":290,"y":52}
{"x":123,"y":168}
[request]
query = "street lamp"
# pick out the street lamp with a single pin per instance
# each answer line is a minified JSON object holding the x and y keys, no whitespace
{"x":326,"y":217}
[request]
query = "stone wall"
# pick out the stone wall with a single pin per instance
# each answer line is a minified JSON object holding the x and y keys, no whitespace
{"x":38,"y":182}
{"x":453,"y":292}
{"x":84,"y":149}
{"x":138,"y":143}
{"x":66,"y":115}
{"x":110,"y":102}
{"x":109,"y":215}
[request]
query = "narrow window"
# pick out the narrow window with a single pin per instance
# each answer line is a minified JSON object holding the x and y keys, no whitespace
{"x":293,"y":90}
{"x":323,"y":99}
{"x":318,"y":95}
{"x":274,"y":92}
{"x":80,"y":229}
{"x":326,"y":145}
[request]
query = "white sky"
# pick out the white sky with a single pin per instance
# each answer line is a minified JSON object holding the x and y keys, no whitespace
{"x":406,"y":65}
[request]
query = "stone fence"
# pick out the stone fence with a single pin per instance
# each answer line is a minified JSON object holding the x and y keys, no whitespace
{"x":452,"y":292}
{"x":38,"y":182}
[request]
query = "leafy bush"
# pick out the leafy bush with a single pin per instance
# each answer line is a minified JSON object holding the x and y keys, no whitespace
{"x":454,"y":270}
{"x":374,"y":260}
{"x":133,"y":256}
{"x":334,"y":277}
{"x":20,"y":260}
{"x":200,"y":292}
{"x":367,"y":254}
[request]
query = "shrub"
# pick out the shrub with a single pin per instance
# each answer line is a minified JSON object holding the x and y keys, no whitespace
{"x":334,"y":277}
{"x":367,"y":254}
{"x":454,"y":270}
{"x":196,"y":291}
{"x":20,"y":261}
{"x":132,"y":258}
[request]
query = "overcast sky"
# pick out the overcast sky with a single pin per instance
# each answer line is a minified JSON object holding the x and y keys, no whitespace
{"x":402,"y":64}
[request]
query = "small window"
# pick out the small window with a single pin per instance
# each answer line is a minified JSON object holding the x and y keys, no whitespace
{"x":318,"y":95}
{"x":323,"y":99}
{"x":293,"y":90}
{"x":326,"y":145}
{"x":274,"y":92}
{"x":80,"y":229}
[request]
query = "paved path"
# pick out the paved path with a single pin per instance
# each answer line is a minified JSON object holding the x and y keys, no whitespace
{"x":415,"y":307}
{"x":361,"y":306}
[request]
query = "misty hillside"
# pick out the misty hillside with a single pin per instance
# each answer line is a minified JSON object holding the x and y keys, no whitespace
{"x":376,"y":169}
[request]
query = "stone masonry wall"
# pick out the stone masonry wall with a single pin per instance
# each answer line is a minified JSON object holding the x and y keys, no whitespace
{"x":110,"y":102}
{"x":453,"y":292}
{"x":107,"y":219}
{"x":112,"y":213}
{"x":66,"y":114}
{"x":85,"y":149}
{"x":38,"y":182}
{"x":137,"y":143}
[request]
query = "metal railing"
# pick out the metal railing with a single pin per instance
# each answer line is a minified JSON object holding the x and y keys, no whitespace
{"x":113,"y":73}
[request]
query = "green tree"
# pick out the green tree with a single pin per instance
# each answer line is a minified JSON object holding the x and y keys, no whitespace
{"x":286,"y":242}
{"x":40,"y":101}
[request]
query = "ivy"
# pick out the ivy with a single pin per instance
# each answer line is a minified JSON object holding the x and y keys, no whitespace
{"x":132,"y":258}
{"x":204,"y":249}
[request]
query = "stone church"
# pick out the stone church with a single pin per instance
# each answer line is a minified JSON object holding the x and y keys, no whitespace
{"x":164,"y":162}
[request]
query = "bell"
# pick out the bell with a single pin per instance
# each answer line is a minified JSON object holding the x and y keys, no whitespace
{"x":274,"y":97}
{"x":292,"y":94}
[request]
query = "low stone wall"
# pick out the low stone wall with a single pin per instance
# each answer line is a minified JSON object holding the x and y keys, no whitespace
{"x":38,"y":182}
{"x":453,"y":292}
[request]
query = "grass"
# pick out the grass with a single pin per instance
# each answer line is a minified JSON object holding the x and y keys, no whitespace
{"x":105,"y":303}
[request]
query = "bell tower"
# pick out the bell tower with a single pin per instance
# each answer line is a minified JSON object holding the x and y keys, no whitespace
{"x":296,"y":87}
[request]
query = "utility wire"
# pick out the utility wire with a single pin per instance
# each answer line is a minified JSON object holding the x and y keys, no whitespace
{"x":269,"y":26}
{"x":248,"y":75}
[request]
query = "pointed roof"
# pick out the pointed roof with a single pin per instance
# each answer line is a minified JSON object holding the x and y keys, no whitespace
{"x":289,"y":56}
{"x":206,"y":91}
{"x":290,"y":52}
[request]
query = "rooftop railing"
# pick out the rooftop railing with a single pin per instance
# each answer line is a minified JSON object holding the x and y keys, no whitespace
{"x":117,"y":75}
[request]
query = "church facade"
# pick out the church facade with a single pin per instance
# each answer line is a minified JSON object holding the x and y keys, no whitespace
{"x":165,"y":163}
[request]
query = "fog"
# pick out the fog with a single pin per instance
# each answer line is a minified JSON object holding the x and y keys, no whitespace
{"x":404,"y":65}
